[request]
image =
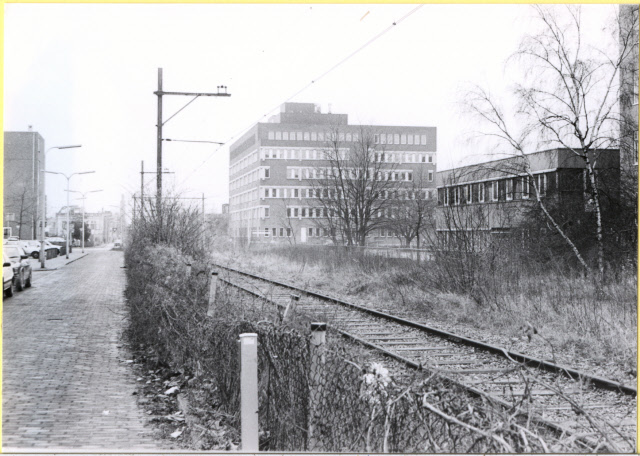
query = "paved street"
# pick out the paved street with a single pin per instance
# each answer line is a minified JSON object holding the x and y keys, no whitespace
{"x":66,"y":384}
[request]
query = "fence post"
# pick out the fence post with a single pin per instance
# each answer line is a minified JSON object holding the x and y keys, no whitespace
{"x":318,"y":339}
{"x":291,"y":307}
{"x":212,"y":294}
{"x":188,"y":269}
{"x":249,"y":392}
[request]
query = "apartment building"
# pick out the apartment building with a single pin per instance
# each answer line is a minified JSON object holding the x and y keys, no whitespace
{"x":23,"y":160}
{"x":273,"y":168}
{"x":493,"y":198}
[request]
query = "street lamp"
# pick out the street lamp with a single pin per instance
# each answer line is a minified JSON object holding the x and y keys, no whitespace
{"x":84,"y":197}
{"x":68,"y":209}
{"x":44,"y":210}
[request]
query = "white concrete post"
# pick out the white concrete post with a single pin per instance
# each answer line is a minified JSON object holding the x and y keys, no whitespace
{"x":318,"y":339}
{"x":188,"y":269}
{"x":249,"y":392}
{"x":212,"y":294}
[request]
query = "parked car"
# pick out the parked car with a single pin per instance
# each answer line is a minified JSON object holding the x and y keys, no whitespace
{"x":7,"y":276}
{"x":61,"y":243}
{"x":32,"y":248}
{"x":117,"y":245}
{"x":21,"y":267}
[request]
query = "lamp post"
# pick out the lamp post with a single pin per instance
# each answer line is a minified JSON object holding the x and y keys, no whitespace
{"x":44,"y":211}
{"x":84,"y":197}
{"x":68,"y":209}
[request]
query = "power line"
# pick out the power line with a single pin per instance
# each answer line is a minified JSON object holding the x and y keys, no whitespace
{"x":313,"y":81}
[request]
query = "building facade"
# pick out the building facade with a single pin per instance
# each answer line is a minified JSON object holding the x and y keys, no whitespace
{"x":494,"y":198}
{"x":23,"y":155}
{"x":629,"y":95}
{"x":274,"y":169}
{"x":104,"y":225}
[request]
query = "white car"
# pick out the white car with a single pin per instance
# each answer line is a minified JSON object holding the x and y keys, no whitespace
{"x":32,"y":248}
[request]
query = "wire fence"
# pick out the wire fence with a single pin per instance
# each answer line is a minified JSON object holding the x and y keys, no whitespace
{"x":326,"y":398}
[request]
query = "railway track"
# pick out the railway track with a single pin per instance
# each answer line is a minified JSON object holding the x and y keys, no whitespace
{"x":597,"y":411}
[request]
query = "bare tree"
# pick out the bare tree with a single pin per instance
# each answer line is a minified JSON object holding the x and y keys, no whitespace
{"x":21,"y":201}
{"x":350,"y":186}
{"x":568,"y":98}
{"x":414,"y":211}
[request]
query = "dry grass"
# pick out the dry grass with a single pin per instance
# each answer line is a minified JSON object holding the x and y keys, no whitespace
{"x":579,"y":324}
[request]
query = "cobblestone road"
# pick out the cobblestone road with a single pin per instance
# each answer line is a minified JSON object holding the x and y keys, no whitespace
{"x":66,"y":383}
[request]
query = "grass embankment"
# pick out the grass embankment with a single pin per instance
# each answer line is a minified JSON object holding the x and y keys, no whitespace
{"x":589,"y":327}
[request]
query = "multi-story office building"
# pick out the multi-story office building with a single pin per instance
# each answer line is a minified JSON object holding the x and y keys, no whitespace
{"x":273,"y":168}
{"x":23,"y":154}
{"x":493,"y":198}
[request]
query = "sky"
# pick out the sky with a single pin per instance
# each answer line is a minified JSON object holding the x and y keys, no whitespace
{"x":86,"y":73}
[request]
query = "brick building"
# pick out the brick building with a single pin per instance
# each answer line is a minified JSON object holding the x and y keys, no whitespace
{"x":23,"y":155}
{"x":273,"y":168}
{"x":493,"y":198}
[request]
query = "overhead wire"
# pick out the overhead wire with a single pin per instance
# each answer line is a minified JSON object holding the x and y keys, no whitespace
{"x":313,"y":81}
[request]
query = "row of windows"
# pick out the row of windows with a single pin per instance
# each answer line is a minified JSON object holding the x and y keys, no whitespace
{"x":406,"y":175}
{"x":250,"y":177}
{"x":308,"y":192}
{"x":311,"y":232}
{"x":243,"y":163}
{"x":495,"y":190}
{"x":382,"y":138}
{"x":287,"y":232}
{"x":300,"y":154}
{"x":404,"y":157}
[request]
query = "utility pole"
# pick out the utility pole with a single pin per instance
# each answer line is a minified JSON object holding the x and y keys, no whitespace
{"x":160,"y":124}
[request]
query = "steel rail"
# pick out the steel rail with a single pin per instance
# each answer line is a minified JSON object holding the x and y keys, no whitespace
{"x":527,"y":360}
{"x":584,"y":441}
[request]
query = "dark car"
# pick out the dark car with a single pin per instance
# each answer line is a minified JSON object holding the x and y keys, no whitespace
{"x":21,"y":268}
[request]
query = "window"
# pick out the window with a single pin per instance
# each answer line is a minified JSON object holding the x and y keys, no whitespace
{"x":468,"y":192}
{"x":320,"y":136}
{"x":456,"y":195}
{"x":288,"y":212}
{"x":295,"y":211}
{"x":285,"y":135}
{"x":509,"y":189}
{"x":267,"y":173}
{"x":376,"y":139}
{"x":389,"y":138}
{"x":481,"y":192}
{"x":295,"y":193}
{"x":525,"y":187}
{"x":416,"y":139}
{"x":310,"y":232}
{"x":274,"y":193}
{"x":430,"y":175}
{"x":288,"y":232}
{"x":403,"y":139}
{"x":423,"y":140}
{"x":541,"y":182}
{"x":281,"y":232}
{"x":266,"y":232}
{"x":410,"y":176}
{"x":314,"y":136}
{"x":410,"y":139}
{"x":396,"y":138}
{"x":494,"y":190}
{"x":349,"y":137}
{"x":303,"y":212}
{"x":318,"y":232}
{"x":271,"y":135}
{"x":306,"y":136}
{"x":275,"y":232}
{"x":634,"y":75}
{"x":266,"y":193}
{"x":278,"y":135}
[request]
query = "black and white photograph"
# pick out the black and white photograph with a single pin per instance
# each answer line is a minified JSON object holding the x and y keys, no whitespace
{"x":320,"y":228}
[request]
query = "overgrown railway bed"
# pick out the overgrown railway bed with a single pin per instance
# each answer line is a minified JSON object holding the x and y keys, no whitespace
{"x":559,"y":397}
